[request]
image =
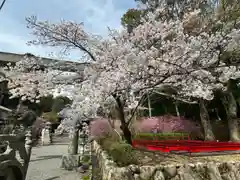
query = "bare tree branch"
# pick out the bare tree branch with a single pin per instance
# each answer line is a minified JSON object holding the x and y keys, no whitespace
{"x":64,"y":34}
{"x":2,"y":4}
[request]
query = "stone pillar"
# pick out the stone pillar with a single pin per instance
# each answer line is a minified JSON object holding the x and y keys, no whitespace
{"x":75,"y":139}
{"x":71,"y":160}
{"x":74,"y":158}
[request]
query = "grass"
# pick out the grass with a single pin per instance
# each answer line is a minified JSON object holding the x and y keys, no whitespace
{"x":160,"y":136}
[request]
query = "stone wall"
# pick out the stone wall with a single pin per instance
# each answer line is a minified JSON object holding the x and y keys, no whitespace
{"x":199,"y":171}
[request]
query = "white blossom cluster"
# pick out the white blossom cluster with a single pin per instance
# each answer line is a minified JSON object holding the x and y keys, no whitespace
{"x":27,"y":80}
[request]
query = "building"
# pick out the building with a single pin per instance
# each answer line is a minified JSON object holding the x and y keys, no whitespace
{"x":70,"y":66}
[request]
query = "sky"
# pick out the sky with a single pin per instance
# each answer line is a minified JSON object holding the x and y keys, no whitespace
{"x":97,"y":15}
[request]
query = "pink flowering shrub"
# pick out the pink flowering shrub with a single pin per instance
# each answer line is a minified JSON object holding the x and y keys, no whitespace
{"x":162,"y":124}
{"x":167,"y":123}
{"x":100,"y":127}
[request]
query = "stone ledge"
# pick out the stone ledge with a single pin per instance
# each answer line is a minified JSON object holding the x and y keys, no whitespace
{"x":198,"y":171}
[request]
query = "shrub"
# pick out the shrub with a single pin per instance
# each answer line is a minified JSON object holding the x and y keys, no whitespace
{"x":46,"y":103}
{"x":59,"y":103}
{"x":50,"y":116}
{"x":100,"y":128}
{"x":120,"y":152}
{"x":107,"y":141}
{"x":86,"y":177}
{"x":86,"y":158}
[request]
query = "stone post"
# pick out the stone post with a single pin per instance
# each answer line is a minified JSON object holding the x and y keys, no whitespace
{"x":75,"y":140}
{"x":49,"y":127}
{"x":28,"y":148}
{"x":46,"y":134}
{"x":71,"y":160}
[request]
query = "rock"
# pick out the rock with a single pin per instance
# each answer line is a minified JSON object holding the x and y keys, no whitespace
{"x":70,"y":162}
{"x":170,"y":171}
{"x":213,"y":171}
{"x":228,"y":171}
{"x":136,"y":177}
{"x":159,"y":175}
{"x":177,"y":177}
{"x":185,"y":173}
{"x":85,"y":167}
{"x":120,"y":174}
{"x":80,"y":170}
{"x":233,"y":171}
{"x":146,"y":172}
{"x":189,"y":171}
{"x":134,"y":169}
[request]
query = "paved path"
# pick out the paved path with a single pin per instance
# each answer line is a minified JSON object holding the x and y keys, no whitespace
{"x":46,"y":160}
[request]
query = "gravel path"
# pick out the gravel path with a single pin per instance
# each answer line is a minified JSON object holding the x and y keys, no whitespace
{"x":46,"y":160}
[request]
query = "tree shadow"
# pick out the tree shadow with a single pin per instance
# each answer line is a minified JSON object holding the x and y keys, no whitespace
{"x":52,"y":178}
{"x":40,"y":158}
{"x":60,"y":143}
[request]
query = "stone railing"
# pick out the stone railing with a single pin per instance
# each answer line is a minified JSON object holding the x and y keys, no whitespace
{"x":199,"y":171}
{"x":14,"y":156}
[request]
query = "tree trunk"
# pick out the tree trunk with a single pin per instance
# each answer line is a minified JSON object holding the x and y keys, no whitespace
{"x":177,"y":109}
{"x":230,"y":106}
{"x":149,"y":106}
{"x":112,"y":125}
{"x":75,"y":140}
{"x":205,"y":120}
{"x":124,"y":125}
{"x":73,"y":147}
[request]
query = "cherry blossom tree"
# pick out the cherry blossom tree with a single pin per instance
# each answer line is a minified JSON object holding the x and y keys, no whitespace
{"x":197,"y":48}
{"x":182,"y":53}
{"x":210,"y":17}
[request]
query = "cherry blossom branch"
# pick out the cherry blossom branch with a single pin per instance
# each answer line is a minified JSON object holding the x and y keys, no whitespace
{"x":142,"y":99}
{"x":176,"y":98}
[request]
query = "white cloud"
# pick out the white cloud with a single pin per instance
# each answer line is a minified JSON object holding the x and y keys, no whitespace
{"x":97,"y":15}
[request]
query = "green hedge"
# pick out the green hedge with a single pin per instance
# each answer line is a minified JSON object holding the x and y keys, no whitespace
{"x":121,"y":152}
{"x":161,"y":136}
{"x":50,"y":116}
